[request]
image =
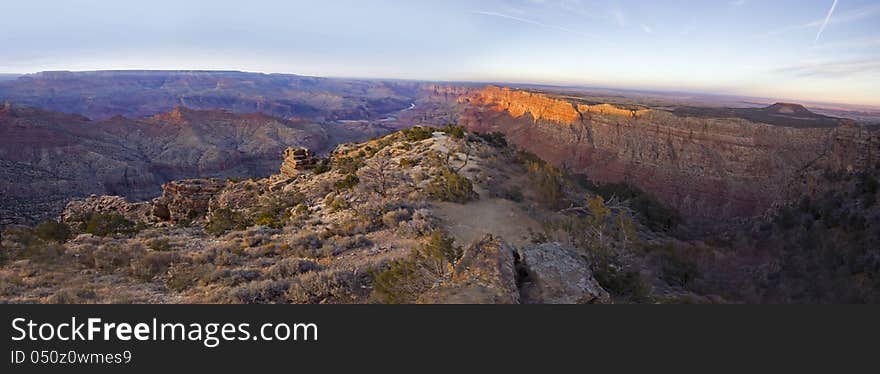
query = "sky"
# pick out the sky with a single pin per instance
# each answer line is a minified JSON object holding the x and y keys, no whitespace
{"x":817,"y":50}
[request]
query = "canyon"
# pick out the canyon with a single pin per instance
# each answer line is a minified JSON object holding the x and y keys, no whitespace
{"x":126,"y":134}
{"x":419,"y":192}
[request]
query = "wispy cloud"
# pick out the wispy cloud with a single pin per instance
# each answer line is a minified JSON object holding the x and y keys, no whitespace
{"x":838,"y":18}
{"x":647,"y":28}
{"x":832,"y":69}
{"x":737,"y":2}
{"x":827,"y":19}
{"x":533,"y":23}
{"x":618,"y":16}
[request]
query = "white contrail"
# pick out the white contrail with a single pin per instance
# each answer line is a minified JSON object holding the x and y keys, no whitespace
{"x":532,"y":22}
{"x":827,"y":19}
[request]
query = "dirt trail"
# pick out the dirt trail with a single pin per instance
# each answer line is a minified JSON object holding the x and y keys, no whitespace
{"x":499,"y":217}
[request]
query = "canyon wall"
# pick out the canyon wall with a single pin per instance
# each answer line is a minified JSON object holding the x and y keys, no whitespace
{"x":711,"y":169}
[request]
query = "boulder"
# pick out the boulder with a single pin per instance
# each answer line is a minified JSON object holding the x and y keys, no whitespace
{"x":554,"y":274}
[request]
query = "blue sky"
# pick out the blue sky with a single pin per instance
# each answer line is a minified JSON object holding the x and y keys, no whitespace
{"x":779,"y":49}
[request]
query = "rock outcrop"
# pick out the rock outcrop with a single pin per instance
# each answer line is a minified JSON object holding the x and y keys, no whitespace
{"x":297,"y":160}
{"x":80,"y":210}
{"x":553,"y":274}
{"x":186,"y":199}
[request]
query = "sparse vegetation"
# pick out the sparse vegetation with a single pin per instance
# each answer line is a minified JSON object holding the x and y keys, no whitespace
{"x":454,"y":131}
{"x":347,"y":182}
{"x":110,"y":224}
{"x":405,"y":279}
{"x":450,"y":186}
{"x":547,"y":180}
{"x":53,"y":231}
{"x":322,"y":167}
{"x":495,"y":139}
{"x":657,"y":215}
{"x":418,"y":133}
{"x":222,"y":220}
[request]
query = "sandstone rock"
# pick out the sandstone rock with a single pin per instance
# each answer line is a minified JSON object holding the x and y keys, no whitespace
{"x":297,"y":160}
{"x":186,"y":199}
{"x":484,"y":275}
{"x":557,"y":275}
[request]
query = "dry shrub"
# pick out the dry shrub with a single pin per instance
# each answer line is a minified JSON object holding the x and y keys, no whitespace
{"x":72,"y":296}
{"x":290,"y":267}
{"x":106,"y":257}
{"x":151,"y":264}
{"x":329,"y":286}
{"x":304,"y":244}
{"x":260,"y":292}
{"x":393,"y":218}
{"x":183,"y":275}
{"x":422,"y":223}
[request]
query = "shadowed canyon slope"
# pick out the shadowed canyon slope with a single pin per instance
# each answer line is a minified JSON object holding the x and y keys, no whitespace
{"x":711,"y":165}
{"x":130,"y":131}
{"x":48,"y":157}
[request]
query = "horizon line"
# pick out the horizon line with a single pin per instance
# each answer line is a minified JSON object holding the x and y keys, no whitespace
{"x":486,"y":82}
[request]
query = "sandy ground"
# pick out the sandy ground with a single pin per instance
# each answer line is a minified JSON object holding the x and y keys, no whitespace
{"x":494,"y":216}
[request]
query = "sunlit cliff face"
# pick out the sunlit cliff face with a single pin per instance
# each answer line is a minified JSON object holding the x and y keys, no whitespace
{"x":711,"y":168}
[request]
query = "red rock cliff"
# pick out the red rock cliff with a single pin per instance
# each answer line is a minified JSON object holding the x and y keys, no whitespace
{"x":709,"y":168}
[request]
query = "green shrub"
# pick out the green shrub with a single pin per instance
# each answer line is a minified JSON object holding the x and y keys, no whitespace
{"x":322,"y":167}
{"x":338,"y":204}
{"x":495,"y":139}
{"x":348,"y":182}
{"x":348,"y":165}
{"x":450,"y":186}
{"x":512,"y":194}
{"x":418,"y":133}
{"x":402,"y":282}
{"x":675,"y":267}
{"x":655,"y":214}
{"x":224,"y":219}
{"x":274,"y":208}
{"x":453,"y":131}
{"x":547,"y":181}
{"x":621,"y":281}
{"x":110,"y":224}
{"x":405,"y":279}
{"x":53,"y":231}
{"x":407,"y":163}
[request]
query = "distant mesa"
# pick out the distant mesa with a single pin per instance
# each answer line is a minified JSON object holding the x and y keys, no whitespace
{"x":779,"y":114}
{"x":789,"y":109}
